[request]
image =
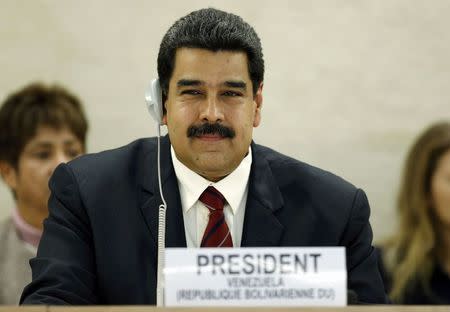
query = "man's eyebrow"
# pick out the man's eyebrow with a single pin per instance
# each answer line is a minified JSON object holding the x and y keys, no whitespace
{"x":188,"y":82}
{"x":236,"y":84}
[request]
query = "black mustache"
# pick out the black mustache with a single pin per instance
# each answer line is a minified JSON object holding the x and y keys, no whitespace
{"x":208,"y":128}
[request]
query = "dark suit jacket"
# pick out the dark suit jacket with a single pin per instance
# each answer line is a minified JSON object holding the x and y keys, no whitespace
{"x":99,"y":242}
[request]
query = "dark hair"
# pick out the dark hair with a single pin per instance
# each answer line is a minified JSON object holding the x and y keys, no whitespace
{"x":33,"y":106}
{"x":213,"y":30}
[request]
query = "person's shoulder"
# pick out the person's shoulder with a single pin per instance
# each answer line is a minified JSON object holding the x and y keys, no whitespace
{"x":310,"y":191}
{"x":6,"y":227}
{"x":117,"y":156}
{"x":10,"y":243}
{"x":288,"y":171}
{"x":104,"y":167}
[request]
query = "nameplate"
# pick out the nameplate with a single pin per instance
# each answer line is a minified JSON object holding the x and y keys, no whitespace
{"x":294,"y":276}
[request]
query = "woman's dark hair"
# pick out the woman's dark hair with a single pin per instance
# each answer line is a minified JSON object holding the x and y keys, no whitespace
{"x":35,"y":105}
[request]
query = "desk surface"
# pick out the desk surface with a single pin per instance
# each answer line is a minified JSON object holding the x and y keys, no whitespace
{"x":379,"y":308}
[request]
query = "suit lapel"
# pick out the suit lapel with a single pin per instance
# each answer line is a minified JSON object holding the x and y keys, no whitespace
{"x":261,"y":226}
{"x":151,"y":199}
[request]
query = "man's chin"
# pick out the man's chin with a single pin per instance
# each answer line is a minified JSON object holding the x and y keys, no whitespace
{"x":213,"y":169}
{"x":210,"y":151}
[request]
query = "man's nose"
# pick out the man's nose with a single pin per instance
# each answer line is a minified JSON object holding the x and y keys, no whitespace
{"x":211,"y":110}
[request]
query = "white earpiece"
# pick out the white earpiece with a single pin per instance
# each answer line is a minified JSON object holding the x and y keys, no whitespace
{"x":153,"y":98}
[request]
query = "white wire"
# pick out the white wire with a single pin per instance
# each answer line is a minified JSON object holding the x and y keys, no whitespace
{"x":161,"y":233}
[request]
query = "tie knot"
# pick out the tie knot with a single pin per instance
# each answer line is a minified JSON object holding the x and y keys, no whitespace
{"x":212,"y":199}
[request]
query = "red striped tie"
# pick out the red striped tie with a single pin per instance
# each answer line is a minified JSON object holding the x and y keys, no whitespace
{"x":217,"y":233}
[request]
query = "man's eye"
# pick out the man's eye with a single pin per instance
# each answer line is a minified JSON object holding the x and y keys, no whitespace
{"x":191,"y":92}
{"x":232,"y":93}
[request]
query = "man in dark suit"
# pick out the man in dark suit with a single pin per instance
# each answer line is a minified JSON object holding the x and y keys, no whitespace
{"x":99,"y":242}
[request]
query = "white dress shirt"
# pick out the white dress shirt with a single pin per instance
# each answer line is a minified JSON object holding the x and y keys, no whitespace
{"x":233,"y":187}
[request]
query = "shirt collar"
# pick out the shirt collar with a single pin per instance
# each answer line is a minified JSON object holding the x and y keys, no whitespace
{"x":192,"y":185}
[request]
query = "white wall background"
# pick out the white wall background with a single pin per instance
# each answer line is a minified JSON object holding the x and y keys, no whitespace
{"x":349,"y":83}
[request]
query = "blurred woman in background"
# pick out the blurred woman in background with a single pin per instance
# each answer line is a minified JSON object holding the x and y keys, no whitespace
{"x":40,"y":127}
{"x":417,"y":258}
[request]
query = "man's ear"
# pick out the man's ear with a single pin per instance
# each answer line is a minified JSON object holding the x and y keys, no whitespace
{"x":164,"y":117}
{"x":258,"y":99}
{"x":9,"y":174}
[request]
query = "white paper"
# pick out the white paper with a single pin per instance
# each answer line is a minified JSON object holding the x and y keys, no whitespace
{"x":293,"y":276}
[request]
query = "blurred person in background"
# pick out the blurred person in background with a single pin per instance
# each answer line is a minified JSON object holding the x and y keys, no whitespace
{"x":417,"y":257}
{"x":40,"y":127}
